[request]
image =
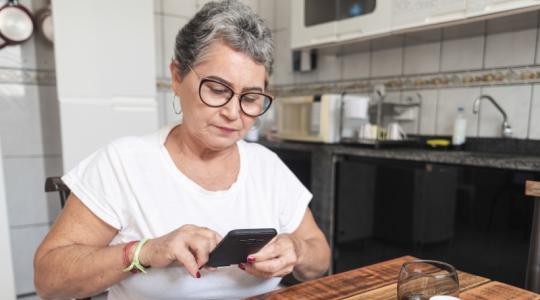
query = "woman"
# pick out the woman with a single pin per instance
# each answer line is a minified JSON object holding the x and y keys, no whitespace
{"x":178,"y":191}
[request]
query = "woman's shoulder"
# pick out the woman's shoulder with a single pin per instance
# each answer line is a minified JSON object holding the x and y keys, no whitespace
{"x":135,"y":144}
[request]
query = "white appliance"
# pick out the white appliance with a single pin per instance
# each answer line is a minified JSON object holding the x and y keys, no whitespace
{"x":323,"y":22}
{"x":7,"y":280}
{"x":105,"y":73}
{"x":309,"y":118}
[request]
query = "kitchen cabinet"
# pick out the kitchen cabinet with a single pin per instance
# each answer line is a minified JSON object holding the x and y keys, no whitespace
{"x":313,"y":23}
{"x":477,"y":8}
{"x":320,"y":22}
{"x":408,"y":14}
{"x":317,"y":23}
{"x":477,"y":219}
{"x":375,"y":22}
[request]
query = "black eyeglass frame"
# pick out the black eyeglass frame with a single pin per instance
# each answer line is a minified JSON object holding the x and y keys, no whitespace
{"x":240,"y":95}
{"x":202,"y":80}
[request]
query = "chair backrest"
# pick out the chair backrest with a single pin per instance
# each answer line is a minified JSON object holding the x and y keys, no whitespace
{"x":55,"y":184}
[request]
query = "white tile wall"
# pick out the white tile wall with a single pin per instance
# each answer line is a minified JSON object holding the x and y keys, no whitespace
{"x":182,"y":8}
{"x":534,"y":124}
{"x":254,"y":4}
{"x":267,"y":12}
{"x":386,"y":62}
{"x":329,"y":67}
{"x":282,"y":54}
{"x":387,"y":57}
{"x":515,"y":100}
{"x":422,"y":52}
{"x":20,"y":120}
{"x":158,"y":6}
{"x":448,"y":103}
{"x":511,"y":40}
{"x":356,"y":64}
{"x":422,"y":58}
{"x":171,"y":26}
{"x":283,"y":16}
{"x":463,"y":47}
{"x":158,"y":28}
{"x":24,"y":242}
{"x":28,"y":204}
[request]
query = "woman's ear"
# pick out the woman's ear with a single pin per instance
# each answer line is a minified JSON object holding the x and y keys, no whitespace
{"x":173,"y":68}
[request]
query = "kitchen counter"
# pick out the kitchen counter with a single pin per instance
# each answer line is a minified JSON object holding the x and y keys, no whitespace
{"x":520,"y":162}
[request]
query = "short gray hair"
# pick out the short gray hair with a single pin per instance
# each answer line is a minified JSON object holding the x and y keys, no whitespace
{"x":230,"y":21}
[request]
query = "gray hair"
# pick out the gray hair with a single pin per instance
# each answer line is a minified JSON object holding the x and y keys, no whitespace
{"x":231,"y":22}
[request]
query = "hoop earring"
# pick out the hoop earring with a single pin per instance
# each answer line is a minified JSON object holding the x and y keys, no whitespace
{"x":258,"y":124}
{"x":176,"y":110}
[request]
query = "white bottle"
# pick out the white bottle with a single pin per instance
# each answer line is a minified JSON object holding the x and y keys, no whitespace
{"x":460,"y":128}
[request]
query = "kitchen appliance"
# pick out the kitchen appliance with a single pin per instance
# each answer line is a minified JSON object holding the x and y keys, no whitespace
{"x":16,"y":23}
{"x":310,"y":118}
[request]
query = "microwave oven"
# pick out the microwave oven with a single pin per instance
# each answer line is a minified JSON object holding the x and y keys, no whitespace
{"x":309,"y":118}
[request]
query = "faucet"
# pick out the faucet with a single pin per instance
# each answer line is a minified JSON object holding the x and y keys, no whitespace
{"x":506,"y":129}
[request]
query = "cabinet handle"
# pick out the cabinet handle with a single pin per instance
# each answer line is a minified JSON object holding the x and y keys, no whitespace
{"x":532,"y":188}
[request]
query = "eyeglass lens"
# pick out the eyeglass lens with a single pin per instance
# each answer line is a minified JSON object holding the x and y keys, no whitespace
{"x":216,"y":94}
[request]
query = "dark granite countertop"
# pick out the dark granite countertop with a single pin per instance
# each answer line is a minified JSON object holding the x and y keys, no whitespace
{"x":474,"y":155}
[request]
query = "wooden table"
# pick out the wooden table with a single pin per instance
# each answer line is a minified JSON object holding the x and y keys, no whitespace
{"x":378,"y":282}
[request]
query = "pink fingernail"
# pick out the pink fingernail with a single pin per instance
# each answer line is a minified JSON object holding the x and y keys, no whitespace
{"x":251,"y":259}
{"x":242,"y":266}
{"x":198,"y":275}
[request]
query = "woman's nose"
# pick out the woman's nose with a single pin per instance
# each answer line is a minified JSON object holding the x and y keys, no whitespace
{"x":232,"y":109}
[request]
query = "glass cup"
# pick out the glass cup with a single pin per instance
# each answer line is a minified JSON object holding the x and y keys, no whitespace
{"x":423,"y":279}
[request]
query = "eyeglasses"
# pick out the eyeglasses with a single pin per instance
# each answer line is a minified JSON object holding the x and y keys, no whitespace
{"x":217,"y":94}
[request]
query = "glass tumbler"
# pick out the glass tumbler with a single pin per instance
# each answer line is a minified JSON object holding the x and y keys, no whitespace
{"x":423,"y":279}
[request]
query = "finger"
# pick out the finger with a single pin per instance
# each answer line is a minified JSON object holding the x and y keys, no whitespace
{"x":253,"y":271}
{"x":269,"y":251}
{"x":201,"y":249}
{"x":272,"y":266}
{"x":187,"y":259}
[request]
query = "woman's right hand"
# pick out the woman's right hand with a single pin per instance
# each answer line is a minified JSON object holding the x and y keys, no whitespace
{"x":189,"y":245}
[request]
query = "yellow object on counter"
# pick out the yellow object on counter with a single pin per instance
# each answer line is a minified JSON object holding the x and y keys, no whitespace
{"x":436,"y":143}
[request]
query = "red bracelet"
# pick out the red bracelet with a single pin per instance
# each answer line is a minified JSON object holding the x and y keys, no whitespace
{"x":127,"y":262}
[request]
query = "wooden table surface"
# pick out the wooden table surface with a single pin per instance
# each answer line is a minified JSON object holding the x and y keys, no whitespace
{"x":378,"y":282}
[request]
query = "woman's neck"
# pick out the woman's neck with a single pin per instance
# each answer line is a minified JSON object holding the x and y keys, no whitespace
{"x":189,"y":146}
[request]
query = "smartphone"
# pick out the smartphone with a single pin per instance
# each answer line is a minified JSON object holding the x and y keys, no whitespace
{"x":235,"y":247}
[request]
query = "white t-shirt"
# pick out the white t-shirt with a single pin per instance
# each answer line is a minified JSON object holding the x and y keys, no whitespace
{"x":133,"y":185}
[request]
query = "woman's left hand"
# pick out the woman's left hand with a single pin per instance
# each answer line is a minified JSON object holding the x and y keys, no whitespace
{"x":277,"y":259}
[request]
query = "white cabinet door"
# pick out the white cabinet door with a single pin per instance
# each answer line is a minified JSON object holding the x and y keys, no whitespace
{"x":485,"y":7}
{"x":409,"y":14}
{"x":370,"y":24}
{"x":306,"y":34}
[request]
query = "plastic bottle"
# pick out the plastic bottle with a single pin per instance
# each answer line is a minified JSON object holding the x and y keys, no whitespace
{"x":460,"y":128}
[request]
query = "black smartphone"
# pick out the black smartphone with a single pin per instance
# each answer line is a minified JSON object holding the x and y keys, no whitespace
{"x":235,"y":247}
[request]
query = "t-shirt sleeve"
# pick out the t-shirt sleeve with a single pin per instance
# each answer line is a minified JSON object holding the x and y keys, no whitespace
{"x":96,"y":182}
{"x":293,"y":196}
